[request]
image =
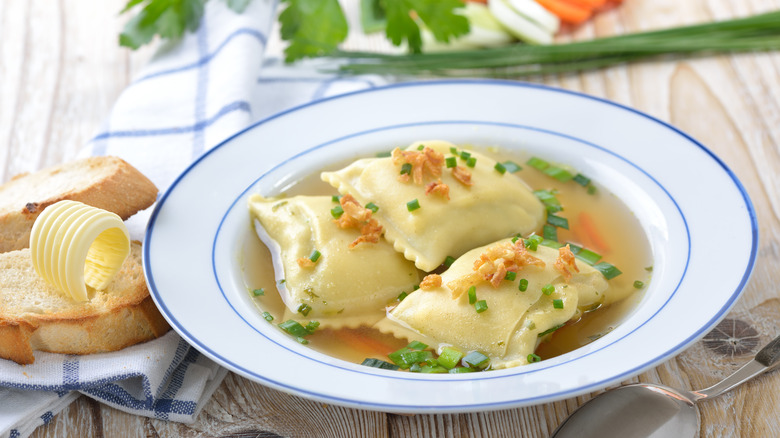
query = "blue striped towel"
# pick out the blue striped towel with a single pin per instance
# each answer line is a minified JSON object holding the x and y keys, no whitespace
{"x":192,"y":95}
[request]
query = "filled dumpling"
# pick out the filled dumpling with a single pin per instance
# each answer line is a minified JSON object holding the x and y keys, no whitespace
{"x":548,"y":287}
{"x":436,"y":200}
{"x":327,"y":266}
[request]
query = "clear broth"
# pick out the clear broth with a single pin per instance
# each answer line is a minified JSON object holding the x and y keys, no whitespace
{"x":598,"y":221}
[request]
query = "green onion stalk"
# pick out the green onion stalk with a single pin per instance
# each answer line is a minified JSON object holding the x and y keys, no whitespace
{"x":756,"y":33}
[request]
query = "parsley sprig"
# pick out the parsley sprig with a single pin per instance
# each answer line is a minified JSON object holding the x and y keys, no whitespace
{"x":312,"y":27}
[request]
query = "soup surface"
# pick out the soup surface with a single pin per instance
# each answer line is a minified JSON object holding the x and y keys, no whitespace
{"x":597,"y":221}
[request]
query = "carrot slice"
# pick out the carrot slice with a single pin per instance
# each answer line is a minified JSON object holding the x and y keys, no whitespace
{"x":587,"y":4}
{"x":566,"y":11}
{"x":589,"y":227}
{"x":363,"y":342}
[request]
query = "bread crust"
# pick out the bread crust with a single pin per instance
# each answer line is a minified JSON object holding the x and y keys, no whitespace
{"x":109,"y":183}
{"x":122,"y":315}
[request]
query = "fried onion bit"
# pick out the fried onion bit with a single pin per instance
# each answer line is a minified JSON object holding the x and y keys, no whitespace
{"x":493,"y":264}
{"x":305,"y":262}
{"x":357,"y":216}
{"x":565,"y":261}
{"x":425,"y":161}
{"x":439,"y":188}
{"x":463,"y":175}
{"x":430,"y":282}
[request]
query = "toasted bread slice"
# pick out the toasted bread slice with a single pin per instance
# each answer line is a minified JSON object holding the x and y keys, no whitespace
{"x":109,"y":183}
{"x":36,"y":316}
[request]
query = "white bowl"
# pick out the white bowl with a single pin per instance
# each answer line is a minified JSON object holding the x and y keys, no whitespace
{"x":697,"y":217}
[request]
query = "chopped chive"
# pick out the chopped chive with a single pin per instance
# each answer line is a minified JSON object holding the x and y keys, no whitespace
{"x":433,"y":369}
{"x":417,"y":345}
{"x":472,"y":294}
{"x":406,"y":357}
{"x":451,"y":162}
{"x":533,"y":358}
{"x":608,"y":270}
{"x":401,"y":296}
{"x":294,"y":328}
{"x":448,"y":261}
{"x":537,"y":163}
{"x":421,"y":147}
{"x":532,"y":242}
{"x":592,"y":189}
{"x":649,"y":269}
{"x":282,"y":281}
{"x":581,"y":180}
{"x":481,"y":306}
{"x":304,"y":309}
{"x":315,"y":255}
{"x":549,"y":232}
{"x":557,"y":221}
{"x":465,"y":155}
{"x":258,"y":292}
{"x":471,"y":162}
{"x":477,"y":360}
{"x":336,"y":198}
{"x":551,"y":203}
{"x":302,"y":340}
{"x":516,"y":238}
{"x":311,"y":326}
{"x":558,"y":303}
{"x":510,"y":275}
{"x":500,"y":168}
{"x":511,"y":166}
{"x":460,"y":370}
{"x":551,"y":244}
{"x":268,"y":317}
{"x":415,"y":287}
{"x":639,"y":284}
{"x":384,"y":154}
{"x":413,"y":205}
{"x":450,"y":357}
{"x":523,"y":286}
{"x":583,"y":254}
{"x":550,"y":330}
{"x":376,"y":363}
{"x":453,"y":150}
{"x":548,"y":289}
{"x":336,"y":211}
{"x":406,"y":168}
{"x":558,"y":173}
{"x":373,"y":207}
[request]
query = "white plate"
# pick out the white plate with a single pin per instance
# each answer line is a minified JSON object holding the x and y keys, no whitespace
{"x":686,"y":199}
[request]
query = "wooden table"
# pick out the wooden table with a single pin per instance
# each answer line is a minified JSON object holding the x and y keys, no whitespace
{"x":61,"y":71}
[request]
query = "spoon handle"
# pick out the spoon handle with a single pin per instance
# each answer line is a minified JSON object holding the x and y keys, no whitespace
{"x":770,"y":354}
{"x":766,"y":359}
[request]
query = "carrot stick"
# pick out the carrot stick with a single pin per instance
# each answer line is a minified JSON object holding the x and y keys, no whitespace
{"x":363,"y":342}
{"x":589,"y":227}
{"x":566,"y":11}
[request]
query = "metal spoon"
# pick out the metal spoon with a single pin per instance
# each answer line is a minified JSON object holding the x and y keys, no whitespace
{"x":649,"y":410}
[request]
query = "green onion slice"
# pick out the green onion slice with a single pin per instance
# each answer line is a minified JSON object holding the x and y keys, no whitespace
{"x":550,"y":330}
{"x":413,"y":205}
{"x":609,"y":271}
{"x":511,"y":166}
{"x":258,"y":292}
{"x":557,"y":221}
{"x":472,"y":294}
{"x":477,"y":360}
{"x":481,"y":306}
{"x":376,"y":363}
{"x":523,"y":285}
{"x":500,"y":168}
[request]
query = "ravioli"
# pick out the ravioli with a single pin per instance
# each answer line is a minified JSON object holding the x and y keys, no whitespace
{"x":351,"y":283}
{"x":509,"y":330}
{"x":445,"y":214}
